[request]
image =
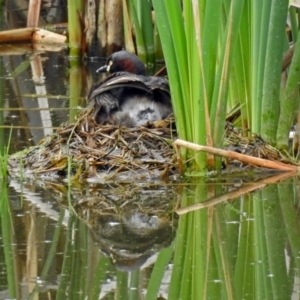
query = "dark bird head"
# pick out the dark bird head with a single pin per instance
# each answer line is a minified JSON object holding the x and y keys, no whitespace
{"x":123,"y":61}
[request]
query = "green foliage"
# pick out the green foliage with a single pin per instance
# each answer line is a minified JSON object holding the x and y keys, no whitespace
{"x":272,"y":69}
{"x":75,"y":13}
{"x":4,"y":156}
{"x":7,"y":241}
{"x":199,"y":43}
{"x":223,"y":54}
{"x":139,"y":16}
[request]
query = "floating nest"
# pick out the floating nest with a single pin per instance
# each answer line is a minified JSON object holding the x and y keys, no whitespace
{"x":89,"y":150}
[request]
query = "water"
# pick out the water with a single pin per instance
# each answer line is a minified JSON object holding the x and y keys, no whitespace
{"x":131,"y":240}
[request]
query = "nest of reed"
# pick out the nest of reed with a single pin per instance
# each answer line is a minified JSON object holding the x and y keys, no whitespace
{"x":89,"y":150}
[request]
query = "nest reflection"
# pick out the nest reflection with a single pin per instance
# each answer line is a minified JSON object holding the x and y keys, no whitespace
{"x":128,"y":222}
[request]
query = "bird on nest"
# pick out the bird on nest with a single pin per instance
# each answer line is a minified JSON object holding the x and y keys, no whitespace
{"x":128,"y":97}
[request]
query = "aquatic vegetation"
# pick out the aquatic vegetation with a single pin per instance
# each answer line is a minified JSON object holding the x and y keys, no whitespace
{"x":106,"y":152}
{"x":214,"y":66}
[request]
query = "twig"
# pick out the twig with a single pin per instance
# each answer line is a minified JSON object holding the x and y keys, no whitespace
{"x":233,"y":155}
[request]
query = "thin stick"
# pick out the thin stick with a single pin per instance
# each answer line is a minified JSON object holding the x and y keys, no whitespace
{"x":161,"y":72}
{"x":234,"y":155}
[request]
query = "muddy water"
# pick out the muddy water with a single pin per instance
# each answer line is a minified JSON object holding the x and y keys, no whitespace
{"x":191,"y":239}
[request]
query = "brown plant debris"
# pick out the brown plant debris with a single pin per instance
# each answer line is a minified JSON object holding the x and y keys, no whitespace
{"x":253,"y":145}
{"x":100,"y":151}
{"x":87,"y":150}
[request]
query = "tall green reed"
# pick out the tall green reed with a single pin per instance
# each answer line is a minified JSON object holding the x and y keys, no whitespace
{"x":225,"y":54}
{"x":199,"y":43}
{"x":289,"y":102}
{"x":75,"y":27}
{"x":7,"y":242}
{"x":139,"y":29}
{"x":272,"y":69}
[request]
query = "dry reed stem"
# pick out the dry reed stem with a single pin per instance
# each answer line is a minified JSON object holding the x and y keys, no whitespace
{"x":32,"y":34}
{"x":233,"y":155}
{"x":34,"y":8}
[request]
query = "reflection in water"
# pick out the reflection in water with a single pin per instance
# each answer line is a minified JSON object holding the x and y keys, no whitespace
{"x":130,"y":230}
{"x":28,"y":108}
{"x":128,"y":227}
{"x":36,"y":94}
{"x":128,"y":222}
{"x":245,"y":248}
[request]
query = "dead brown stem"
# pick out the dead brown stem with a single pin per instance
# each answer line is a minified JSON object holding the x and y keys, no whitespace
{"x":235,"y":155}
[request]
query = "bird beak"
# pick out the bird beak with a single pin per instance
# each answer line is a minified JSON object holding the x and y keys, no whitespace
{"x":102,"y":69}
